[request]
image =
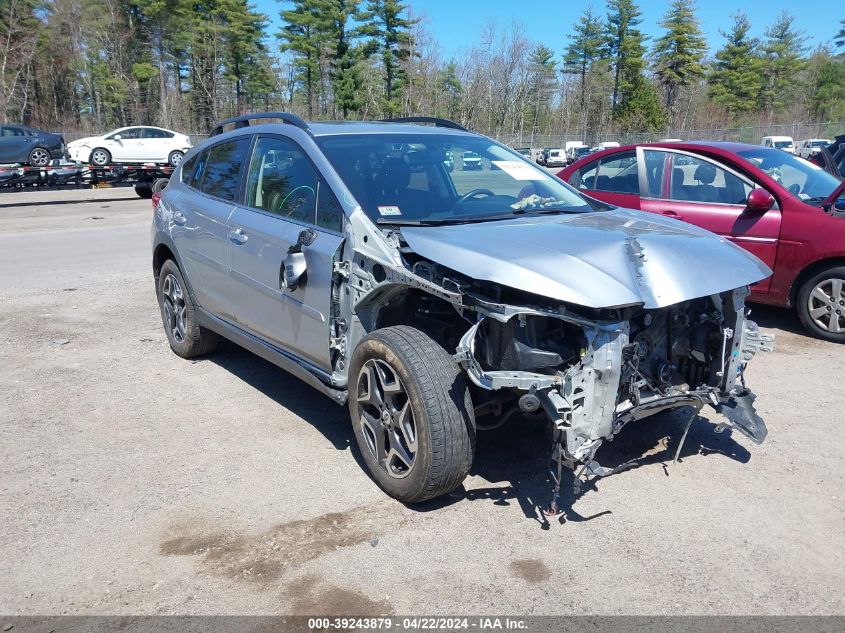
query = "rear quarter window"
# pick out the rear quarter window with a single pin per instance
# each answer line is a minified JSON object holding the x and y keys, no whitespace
{"x":223,"y":168}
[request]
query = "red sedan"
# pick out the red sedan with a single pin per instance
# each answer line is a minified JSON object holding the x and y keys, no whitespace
{"x":785,"y":210}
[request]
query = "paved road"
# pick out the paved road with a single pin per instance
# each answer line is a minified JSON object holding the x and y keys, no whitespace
{"x":61,"y":239}
{"x":136,"y":482}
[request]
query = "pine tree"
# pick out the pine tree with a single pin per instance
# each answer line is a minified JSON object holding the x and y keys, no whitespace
{"x":640,"y":109}
{"x":735,"y":80}
{"x":624,"y":42}
{"x":242,"y":37}
{"x":390,"y":33}
{"x":782,"y":64}
{"x":585,"y":48}
{"x":346,"y":54}
{"x":304,"y":35}
{"x":827,"y":80}
{"x":680,"y":51}
{"x":541,"y":68}
{"x":839,"y":40}
{"x":449,"y":85}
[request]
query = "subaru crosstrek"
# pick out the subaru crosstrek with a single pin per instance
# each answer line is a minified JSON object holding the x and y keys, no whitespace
{"x":350,"y":255}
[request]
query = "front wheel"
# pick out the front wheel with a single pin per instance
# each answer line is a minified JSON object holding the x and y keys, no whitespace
{"x":100,"y":157}
{"x":411,"y":413}
{"x":175,"y":158}
{"x":821,"y":304}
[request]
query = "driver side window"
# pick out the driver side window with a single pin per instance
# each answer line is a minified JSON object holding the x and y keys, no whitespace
{"x":282,"y":181}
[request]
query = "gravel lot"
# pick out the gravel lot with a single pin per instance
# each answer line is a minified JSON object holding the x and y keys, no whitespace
{"x":134,"y":482}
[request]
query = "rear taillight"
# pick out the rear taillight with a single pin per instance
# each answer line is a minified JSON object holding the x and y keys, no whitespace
{"x":156,"y":199}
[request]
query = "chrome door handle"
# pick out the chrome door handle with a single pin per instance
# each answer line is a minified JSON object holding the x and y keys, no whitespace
{"x":179,"y":219}
{"x":238,"y":236}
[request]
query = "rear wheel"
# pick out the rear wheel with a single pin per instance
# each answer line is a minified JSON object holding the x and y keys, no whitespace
{"x":175,"y":158}
{"x":411,"y":413}
{"x":821,"y":304}
{"x":39,"y":157}
{"x":100,"y":157}
{"x":144,"y":190}
{"x":185,"y":335}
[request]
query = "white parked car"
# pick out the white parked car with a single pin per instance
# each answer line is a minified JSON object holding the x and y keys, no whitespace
{"x":137,"y":144}
{"x":556,"y":158}
{"x":784,"y":143}
{"x":810,"y":146}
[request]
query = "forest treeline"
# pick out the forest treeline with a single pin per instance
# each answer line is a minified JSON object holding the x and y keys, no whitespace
{"x":97,"y":64}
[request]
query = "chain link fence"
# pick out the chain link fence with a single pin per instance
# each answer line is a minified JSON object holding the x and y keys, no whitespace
{"x":747,"y":134}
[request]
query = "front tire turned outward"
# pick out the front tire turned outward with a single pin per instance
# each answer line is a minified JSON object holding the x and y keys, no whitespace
{"x":821,"y":304}
{"x":186,"y":337}
{"x":411,"y":413}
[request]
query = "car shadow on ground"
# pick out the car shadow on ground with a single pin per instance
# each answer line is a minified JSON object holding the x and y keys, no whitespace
{"x":516,"y":457}
{"x":519,"y":454}
{"x":771,"y":317}
{"x":327,"y":417}
{"x":50,"y":203}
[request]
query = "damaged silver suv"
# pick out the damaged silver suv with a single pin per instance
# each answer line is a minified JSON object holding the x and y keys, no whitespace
{"x":355,"y":256}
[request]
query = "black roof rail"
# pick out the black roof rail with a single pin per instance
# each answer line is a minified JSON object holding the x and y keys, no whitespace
{"x":427,"y":119}
{"x":244,"y":119}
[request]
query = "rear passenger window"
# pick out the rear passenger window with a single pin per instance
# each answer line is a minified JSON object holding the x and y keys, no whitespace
{"x":192,"y":169}
{"x":616,"y":173}
{"x":222,"y":171}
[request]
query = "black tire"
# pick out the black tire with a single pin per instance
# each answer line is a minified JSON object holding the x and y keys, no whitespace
{"x":175,"y":157}
{"x":99,"y":157}
{"x":827,"y":281}
{"x":144,"y":190}
{"x":159,"y":185}
{"x":196,"y":340}
{"x":39,"y":157}
{"x":437,"y":394}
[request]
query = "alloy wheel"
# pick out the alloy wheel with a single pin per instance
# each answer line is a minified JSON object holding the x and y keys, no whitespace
{"x":99,"y":157}
{"x":826,"y":305}
{"x":386,"y":419}
{"x":39,"y":157}
{"x":175,"y":308}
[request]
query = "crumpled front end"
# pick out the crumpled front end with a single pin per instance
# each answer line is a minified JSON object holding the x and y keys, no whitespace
{"x":593,"y":376}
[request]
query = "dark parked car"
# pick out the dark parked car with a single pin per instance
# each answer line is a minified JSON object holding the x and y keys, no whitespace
{"x":28,"y":146}
{"x":832,"y":157}
{"x":784,"y":209}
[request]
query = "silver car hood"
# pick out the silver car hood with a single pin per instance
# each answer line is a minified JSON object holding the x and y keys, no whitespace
{"x":597,"y":260}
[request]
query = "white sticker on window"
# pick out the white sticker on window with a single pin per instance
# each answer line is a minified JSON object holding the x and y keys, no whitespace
{"x":391,"y":210}
{"x":518,"y":170}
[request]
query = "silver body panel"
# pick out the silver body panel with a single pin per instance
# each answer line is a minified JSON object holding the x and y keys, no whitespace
{"x":597,"y":260}
{"x":570,"y":267}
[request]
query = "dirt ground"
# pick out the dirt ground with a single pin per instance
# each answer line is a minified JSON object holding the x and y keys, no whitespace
{"x":134,"y":482}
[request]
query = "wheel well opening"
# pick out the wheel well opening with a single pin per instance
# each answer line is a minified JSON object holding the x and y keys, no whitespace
{"x":162,"y":254}
{"x":809,"y":271}
{"x":432,"y":315}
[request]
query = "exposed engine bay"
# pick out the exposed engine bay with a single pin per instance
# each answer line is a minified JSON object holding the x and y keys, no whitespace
{"x":591,"y":371}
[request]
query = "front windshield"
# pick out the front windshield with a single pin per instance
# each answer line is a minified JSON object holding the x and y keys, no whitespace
{"x":440,"y":178}
{"x":782,"y":144}
{"x":802,"y":178}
